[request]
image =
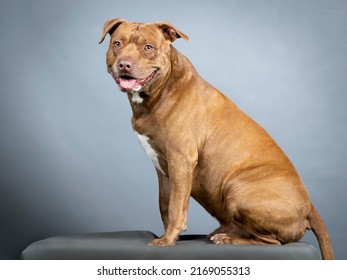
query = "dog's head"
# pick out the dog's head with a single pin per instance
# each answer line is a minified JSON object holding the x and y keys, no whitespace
{"x":139,"y":53}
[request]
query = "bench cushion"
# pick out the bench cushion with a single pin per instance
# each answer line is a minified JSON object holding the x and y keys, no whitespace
{"x":132,"y":245}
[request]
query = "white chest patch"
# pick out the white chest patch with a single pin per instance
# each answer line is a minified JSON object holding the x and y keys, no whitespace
{"x":151,"y":153}
{"x":136,"y":97}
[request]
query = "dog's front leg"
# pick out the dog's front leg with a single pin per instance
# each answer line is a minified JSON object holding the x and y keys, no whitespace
{"x":181,"y":172}
{"x":164,"y":197}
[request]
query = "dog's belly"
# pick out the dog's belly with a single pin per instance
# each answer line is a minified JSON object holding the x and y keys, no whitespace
{"x":212,"y":199}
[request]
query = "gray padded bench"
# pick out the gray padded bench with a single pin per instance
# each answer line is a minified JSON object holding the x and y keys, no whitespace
{"x":132,"y":245}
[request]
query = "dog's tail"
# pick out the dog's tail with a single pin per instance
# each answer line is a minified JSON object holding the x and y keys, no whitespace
{"x":319,"y":229}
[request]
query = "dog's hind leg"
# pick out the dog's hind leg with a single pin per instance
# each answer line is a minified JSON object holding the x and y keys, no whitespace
{"x":220,"y":230}
{"x":234,"y":235}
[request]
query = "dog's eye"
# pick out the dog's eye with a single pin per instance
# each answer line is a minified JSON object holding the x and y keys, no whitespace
{"x":117,"y":44}
{"x":148,"y":47}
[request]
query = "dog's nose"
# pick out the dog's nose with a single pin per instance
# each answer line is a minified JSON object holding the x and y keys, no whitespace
{"x":125,"y":65}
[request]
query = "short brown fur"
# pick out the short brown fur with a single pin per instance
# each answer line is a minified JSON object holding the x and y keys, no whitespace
{"x":207,"y":147}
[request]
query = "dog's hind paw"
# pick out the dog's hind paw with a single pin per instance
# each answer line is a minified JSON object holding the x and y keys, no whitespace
{"x":221,"y":238}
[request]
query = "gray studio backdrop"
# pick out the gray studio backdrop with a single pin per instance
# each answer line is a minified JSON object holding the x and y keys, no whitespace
{"x":69,"y":160}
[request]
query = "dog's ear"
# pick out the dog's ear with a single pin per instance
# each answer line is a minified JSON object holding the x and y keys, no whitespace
{"x":111,"y":26}
{"x":170,"y":32}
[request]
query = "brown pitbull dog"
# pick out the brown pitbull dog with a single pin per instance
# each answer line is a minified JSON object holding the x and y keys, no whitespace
{"x":204,"y":146}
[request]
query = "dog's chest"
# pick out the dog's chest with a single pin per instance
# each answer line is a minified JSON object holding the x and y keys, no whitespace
{"x":151,"y":153}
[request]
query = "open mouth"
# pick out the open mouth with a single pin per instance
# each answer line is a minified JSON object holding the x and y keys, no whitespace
{"x":129,"y":83}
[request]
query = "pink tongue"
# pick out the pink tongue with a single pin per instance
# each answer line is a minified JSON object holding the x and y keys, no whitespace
{"x":129,"y":84}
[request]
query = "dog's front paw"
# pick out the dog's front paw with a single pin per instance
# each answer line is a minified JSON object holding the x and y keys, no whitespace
{"x":162,"y":241}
